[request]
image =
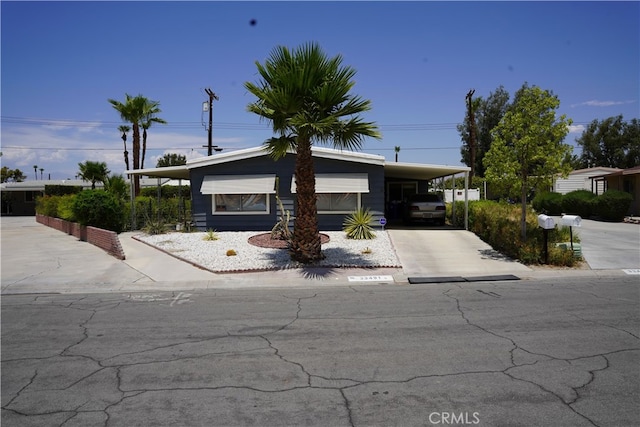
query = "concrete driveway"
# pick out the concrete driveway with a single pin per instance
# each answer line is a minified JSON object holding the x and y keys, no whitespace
{"x":609,"y":245}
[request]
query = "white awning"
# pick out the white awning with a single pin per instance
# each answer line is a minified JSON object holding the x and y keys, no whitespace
{"x":238,"y":184}
{"x":339,"y":183}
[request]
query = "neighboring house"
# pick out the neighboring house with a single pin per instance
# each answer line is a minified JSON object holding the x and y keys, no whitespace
{"x":236,"y":191}
{"x":627,"y":180}
{"x":582,"y":179}
{"x":19,"y":198}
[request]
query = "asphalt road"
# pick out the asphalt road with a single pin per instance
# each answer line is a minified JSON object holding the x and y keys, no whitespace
{"x":561,"y":352}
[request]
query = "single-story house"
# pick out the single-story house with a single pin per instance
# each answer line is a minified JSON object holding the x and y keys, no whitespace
{"x":19,"y":198}
{"x":582,"y":179}
{"x":236,"y":190}
{"x":627,"y":180}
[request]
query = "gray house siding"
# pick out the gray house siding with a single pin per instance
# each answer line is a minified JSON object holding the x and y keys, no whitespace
{"x":202,"y":209}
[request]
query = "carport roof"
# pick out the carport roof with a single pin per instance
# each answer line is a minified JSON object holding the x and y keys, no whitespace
{"x":391,"y":170}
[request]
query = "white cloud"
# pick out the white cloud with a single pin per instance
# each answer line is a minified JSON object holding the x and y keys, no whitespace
{"x":596,"y":103}
{"x":59,"y":148}
{"x":576,"y":128}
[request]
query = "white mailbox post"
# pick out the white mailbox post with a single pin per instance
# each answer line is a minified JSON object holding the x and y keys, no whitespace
{"x":571,"y":221}
{"x":546,"y":223}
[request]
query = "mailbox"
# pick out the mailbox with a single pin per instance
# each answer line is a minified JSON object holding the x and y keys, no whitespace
{"x":571,"y":220}
{"x":546,"y":222}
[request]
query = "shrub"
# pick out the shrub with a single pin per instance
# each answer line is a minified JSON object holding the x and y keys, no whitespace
{"x":47,"y":205}
{"x":211,"y":235}
{"x":612,"y":205}
{"x":549,"y":203}
{"x":65,"y":207}
{"x":61,"y":190}
{"x":358,"y":225}
{"x":578,"y":202}
{"x":100,"y":209}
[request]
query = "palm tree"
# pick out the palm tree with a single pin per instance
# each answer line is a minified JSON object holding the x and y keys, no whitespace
{"x":124,"y":129}
{"x":135,"y":110}
{"x":41,"y":170}
{"x":397,"y":150}
{"x":151,"y":108}
{"x":94,"y":172}
{"x":35,"y":169}
{"x":305,"y":96}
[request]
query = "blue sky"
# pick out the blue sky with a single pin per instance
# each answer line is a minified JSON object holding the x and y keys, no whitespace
{"x":415,"y":61}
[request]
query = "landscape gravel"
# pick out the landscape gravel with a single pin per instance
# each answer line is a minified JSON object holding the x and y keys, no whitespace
{"x":212,"y":254}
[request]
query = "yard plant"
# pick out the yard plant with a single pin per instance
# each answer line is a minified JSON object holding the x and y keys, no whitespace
{"x":357,"y":225}
{"x":305,"y":95}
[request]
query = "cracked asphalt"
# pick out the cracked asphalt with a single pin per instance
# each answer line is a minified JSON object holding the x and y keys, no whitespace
{"x":551,"y":351}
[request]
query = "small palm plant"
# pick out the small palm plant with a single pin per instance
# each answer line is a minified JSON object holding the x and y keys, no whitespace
{"x":211,"y":235}
{"x":358,"y":225}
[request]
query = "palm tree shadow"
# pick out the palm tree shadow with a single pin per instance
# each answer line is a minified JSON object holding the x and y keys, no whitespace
{"x":335,"y":259}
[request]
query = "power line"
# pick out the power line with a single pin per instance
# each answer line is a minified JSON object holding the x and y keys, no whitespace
{"x":194,"y":124}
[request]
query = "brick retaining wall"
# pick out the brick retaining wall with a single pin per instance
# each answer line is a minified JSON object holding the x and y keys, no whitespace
{"x":104,"y":239}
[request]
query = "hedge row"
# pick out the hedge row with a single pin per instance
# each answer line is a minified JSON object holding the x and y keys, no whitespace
{"x":99,"y":208}
{"x":498,"y":224}
{"x":612,"y":205}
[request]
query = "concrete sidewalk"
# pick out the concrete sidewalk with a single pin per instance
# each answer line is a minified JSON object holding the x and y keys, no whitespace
{"x":39,"y":259}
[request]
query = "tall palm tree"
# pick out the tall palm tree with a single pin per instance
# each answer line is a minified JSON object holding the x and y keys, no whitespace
{"x":124,"y":129}
{"x":41,"y":171}
{"x":397,"y":150}
{"x":151,"y":108}
{"x":35,"y":169}
{"x":305,"y":96}
{"x":94,"y":172}
{"x":134,"y":110}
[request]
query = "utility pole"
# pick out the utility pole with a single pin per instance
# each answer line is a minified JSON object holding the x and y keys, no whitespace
{"x":472,"y":134}
{"x":212,"y":97}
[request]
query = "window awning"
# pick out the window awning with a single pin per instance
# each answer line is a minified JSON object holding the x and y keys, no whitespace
{"x":238,"y":184}
{"x":339,"y":183}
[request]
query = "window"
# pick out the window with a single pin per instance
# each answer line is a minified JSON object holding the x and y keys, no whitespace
{"x":234,"y":203}
{"x":338,"y":192}
{"x":340,"y":202}
{"x":239,"y":194}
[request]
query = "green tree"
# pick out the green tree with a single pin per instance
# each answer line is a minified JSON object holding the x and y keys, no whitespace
{"x":171,"y":159}
{"x":397,"y":150}
{"x":611,"y":143}
{"x":487,"y":113}
{"x":35,"y":170}
{"x":125,"y":129}
{"x":305,"y":95}
{"x":93,"y":172}
{"x":138,"y":111}
{"x":11,"y":175}
{"x":527,"y":149}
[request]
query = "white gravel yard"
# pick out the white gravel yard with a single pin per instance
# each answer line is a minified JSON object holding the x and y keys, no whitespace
{"x":212,"y":254}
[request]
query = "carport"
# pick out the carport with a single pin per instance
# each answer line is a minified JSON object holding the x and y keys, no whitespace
{"x":419,"y":174}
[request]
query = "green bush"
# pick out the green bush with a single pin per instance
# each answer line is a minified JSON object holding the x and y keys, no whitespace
{"x":578,"y":202}
{"x":549,"y":203}
{"x":61,"y":190}
{"x":99,"y":208}
{"x":167,"y":191}
{"x":612,"y":205}
{"x":358,"y":225}
{"x":65,"y":207}
{"x":47,"y":205}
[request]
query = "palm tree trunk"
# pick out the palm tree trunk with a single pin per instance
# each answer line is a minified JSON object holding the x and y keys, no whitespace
{"x":305,"y":246}
{"x":144,"y":146}
{"x":136,"y":157}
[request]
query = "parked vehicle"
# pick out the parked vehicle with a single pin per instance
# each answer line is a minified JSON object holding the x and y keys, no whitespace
{"x":425,"y":207}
